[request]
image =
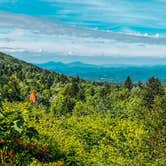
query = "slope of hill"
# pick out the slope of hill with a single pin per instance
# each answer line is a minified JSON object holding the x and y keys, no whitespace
{"x":107,"y":73}
{"x":18,"y":78}
{"x":73,"y":122}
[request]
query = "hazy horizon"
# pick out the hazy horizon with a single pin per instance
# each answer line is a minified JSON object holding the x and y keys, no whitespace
{"x":41,"y":58}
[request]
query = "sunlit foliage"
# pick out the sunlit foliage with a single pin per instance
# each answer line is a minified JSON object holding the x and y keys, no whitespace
{"x":75,"y":122}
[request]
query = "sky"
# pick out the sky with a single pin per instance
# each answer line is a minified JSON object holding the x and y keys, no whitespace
{"x":91,"y":28}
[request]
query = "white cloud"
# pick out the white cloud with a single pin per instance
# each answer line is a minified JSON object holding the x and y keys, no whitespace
{"x":23,"y":33}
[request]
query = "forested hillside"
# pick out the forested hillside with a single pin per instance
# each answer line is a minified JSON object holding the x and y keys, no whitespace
{"x":75,"y":122}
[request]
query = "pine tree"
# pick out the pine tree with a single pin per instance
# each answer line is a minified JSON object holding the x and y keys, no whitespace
{"x":140,"y":84}
{"x":153,"y":88}
{"x":128,"y":83}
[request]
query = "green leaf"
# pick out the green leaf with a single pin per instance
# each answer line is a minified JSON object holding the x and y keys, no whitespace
{"x":17,"y":127}
{"x":1,"y":116}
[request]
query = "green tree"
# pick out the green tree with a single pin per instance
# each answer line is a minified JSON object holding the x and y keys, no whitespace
{"x":128,"y":83}
{"x":13,"y":130}
{"x":152,"y":89}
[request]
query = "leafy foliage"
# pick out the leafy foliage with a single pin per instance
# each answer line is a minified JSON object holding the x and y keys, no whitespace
{"x":76,"y":122}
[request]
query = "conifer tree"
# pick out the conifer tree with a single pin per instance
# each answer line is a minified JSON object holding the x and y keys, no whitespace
{"x":128,"y":83}
{"x":153,"y":88}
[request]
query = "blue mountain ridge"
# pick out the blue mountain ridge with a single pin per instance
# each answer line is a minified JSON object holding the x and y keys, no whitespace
{"x":107,"y":73}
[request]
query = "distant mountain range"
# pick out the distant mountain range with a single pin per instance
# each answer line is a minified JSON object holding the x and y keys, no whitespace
{"x":107,"y":73}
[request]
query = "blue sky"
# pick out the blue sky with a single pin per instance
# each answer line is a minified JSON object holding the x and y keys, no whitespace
{"x":145,"y":16}
{"x":84,"y":27}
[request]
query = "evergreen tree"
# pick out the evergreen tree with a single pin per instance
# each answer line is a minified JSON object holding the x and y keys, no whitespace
{"x":128,"y":83}
{"x":153,"y":88}
{"x":140,"y":84}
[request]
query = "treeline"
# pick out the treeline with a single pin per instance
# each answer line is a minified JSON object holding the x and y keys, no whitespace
{"x":76,"y":122}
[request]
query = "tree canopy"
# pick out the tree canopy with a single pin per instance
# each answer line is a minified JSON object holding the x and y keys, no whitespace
{"x":77,"y":122}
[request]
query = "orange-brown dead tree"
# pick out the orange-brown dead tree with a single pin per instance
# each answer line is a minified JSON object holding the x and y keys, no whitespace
{"x":33,"y":96}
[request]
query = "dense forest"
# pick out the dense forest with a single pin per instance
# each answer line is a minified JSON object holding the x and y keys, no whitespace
{"x":73,"y":122}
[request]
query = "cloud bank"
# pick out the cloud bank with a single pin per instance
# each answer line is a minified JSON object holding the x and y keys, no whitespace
{"x":84,"y":28}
